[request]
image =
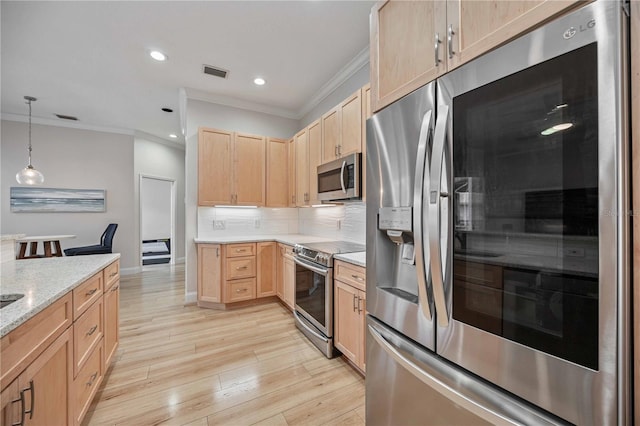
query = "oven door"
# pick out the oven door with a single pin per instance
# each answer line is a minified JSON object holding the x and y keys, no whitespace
{"x":527,"y":253}
{"x":314,"y":294}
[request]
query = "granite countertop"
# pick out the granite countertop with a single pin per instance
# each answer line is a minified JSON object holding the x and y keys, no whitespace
{"x":290,"y":239}
{"x":43,"y":281}
{"x":11,"y":237}
{"x":358,"y":258}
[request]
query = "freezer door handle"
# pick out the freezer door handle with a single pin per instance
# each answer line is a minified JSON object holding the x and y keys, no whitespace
{"x":422,"y":251}
{"x":436,"y":193}
{"x":411,"y":366}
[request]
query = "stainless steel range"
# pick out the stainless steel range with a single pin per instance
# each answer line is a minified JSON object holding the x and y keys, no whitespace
{"x":314,"y":290}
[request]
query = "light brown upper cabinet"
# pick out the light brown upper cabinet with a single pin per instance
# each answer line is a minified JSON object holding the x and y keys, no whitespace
{"x":277,"y":173}
{"x":231,"y":168}
{"x":342,"y":128}
{"x":314,"y":144}
{"x":302,"y":168}
{"x":291,"y":162}
{"x":413,"y":42}
{"x":214,"y":167}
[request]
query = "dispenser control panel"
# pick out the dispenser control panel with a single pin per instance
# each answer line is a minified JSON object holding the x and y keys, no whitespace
{"x":395,"y":218}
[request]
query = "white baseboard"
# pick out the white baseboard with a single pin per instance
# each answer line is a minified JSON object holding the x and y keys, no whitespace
{"x":191,"y":298}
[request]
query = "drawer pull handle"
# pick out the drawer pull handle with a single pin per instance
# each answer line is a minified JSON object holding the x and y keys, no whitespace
{"x":241,"y":290}
{"x":115,"y":288}
{"x":113,"y":274}
{"x":241,"y":268}
{"x":92,"y":330}
{"x":240,"y":250}
{"x":90,"y":292}
{"x":92,"y":379}
{"x":356,"y":277}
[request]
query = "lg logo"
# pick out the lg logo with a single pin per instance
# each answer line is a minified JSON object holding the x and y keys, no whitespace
{"x":570,"y":32}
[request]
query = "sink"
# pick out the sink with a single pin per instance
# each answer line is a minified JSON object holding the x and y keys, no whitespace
{"x":478,"y":253}
{"x":7,"y":299}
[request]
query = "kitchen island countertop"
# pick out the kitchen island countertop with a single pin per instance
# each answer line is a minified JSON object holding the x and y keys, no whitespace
{"x":43,"y":281}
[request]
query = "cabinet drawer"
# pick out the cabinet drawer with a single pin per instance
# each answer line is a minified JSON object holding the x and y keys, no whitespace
{"x":239,"y":290}
{"x":238,"y":250}
{"x":111,"y":275}
{"x":87,"y":332}
{"x":240,"y":267}
{"x":350,"y":274}
{"x":86,"y":294}
{"x":22,"y":345}
{"x":87,"y":383}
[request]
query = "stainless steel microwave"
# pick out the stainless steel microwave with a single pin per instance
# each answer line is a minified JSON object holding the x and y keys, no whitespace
{"x":339,"y":180}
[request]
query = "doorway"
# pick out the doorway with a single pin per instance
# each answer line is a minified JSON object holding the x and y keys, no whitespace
{"x":157,"y":220}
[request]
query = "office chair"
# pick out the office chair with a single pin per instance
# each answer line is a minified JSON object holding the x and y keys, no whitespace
{"x":105,"y":245}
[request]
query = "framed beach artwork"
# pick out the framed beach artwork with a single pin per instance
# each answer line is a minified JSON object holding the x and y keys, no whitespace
{"x":57,"y":200}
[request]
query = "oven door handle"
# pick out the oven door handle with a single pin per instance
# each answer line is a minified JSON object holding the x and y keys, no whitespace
{"x":311,"y":266}
{"x":309,"y":329}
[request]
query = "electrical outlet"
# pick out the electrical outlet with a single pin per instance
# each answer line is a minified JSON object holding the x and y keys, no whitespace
{"x":219,"y":224}
{"x":256,"y":223}
{"x":338,"y":224}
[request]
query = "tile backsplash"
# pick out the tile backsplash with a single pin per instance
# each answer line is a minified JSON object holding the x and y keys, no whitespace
{"x":343,"y":222}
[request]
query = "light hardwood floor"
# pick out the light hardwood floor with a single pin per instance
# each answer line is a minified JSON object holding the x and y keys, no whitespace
{"x":182,"y":365}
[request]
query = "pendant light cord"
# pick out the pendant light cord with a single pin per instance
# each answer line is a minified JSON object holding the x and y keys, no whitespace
{"x":29,"y":102}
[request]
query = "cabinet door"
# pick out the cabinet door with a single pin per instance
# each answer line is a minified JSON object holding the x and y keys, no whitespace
{"x":330,"y":135}
{"x":249,"y":167}
{"x":111,"y":323}
{"x":347,"y":321}
{"x":366,"y":113}
{"x":280,"y":272}
{"x":214,"y":167}
{"x":11,"y":404}
{"x":351,"y":125}
{"x":314,"y":132}
{"x":266,"y":275}
{"x":403,"y":53}
{"x":302,"y":169}
{"x":479,"y":26}
{"x":46,"y":383}
{"x":277,"y":174}
{"x":289,"y":282}
{"x":292,"y":169}
{"x":209,"y":273}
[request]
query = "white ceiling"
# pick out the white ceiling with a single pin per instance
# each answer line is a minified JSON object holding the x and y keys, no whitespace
{"x":90,"y":59}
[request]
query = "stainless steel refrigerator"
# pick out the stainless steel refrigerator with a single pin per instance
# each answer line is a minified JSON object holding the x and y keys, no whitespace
{"x":497,"y":236}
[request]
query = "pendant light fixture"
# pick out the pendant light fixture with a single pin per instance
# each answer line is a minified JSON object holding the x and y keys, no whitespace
{"x":29,"y":175}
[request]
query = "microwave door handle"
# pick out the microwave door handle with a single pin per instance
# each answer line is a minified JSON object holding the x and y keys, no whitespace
{"x":435,"y":195}
{"x":422,"y":251}
{"x":344,"y":163}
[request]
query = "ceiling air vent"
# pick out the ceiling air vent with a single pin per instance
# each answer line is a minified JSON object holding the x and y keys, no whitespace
{"x":216,"y":72}
{"x":67,"y":117}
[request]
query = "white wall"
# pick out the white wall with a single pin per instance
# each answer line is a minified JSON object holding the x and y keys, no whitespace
{"x":205,"y":114}
{"x":353,"y":83}
{"x":155,"y":159}
{"x":78,"y":159}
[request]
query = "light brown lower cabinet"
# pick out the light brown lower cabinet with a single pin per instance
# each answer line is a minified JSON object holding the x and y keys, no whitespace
{"x":350,"y":312}
{"x":266,"y":276}
{"x":209,"y":273}
{"x":52,"y":367}
{"x":289,"y":280}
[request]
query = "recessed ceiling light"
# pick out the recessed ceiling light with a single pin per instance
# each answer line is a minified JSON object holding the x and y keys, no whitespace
{"x":259,"y":81}
{"x":173,"y":136}
{"x":158,"y":56}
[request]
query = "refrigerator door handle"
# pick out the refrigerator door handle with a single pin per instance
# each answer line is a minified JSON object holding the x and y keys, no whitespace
{"x":437,"y":265}
{"x":422,"y":171}
{"x":445,"y":390}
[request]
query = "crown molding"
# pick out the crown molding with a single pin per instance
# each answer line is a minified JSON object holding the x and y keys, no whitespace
{"x":200,"y":95}
{"x":69,"y":124}
{"x":353,"y":66}
{"x":176,"y":143}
